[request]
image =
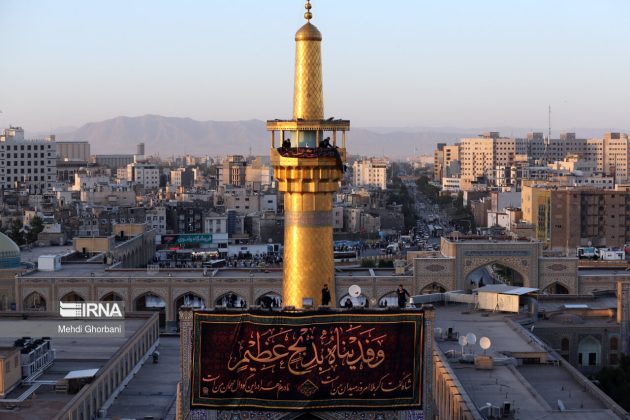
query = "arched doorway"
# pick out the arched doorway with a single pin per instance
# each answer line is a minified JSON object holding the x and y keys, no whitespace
{"x":556,"y":289}
{"x":269,"y":300}
{"x":112,"y":297}
{"x":188,"y":299}
{"x":34,"y":302}
{"x":231,"y":300}
{"x":150,"y":302}
{"x":589,"y":352}
{"x":72,"y":297}
{"x":431,"y":288}
{"x":493,"y":273}
{"x":389,"y":300}
{"x":355,"y":302}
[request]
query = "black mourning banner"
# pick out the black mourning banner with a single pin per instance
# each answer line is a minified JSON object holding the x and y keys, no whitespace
{"x":304,"y":361}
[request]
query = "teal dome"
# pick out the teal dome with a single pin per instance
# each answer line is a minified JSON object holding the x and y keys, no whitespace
{"x":9,"y":253}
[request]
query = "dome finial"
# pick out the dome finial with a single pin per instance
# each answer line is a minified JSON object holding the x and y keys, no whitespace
{"x":308,"y":15}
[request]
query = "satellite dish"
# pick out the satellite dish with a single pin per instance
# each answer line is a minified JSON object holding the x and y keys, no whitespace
{"x":471,"y":338}
{"x":354,"y":290}
{"x":485,"y":343}
{"x":462,"y":340}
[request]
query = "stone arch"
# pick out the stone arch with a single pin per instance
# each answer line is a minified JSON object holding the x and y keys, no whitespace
{"x":434,"y":287}
{"x":151,"y":302}
{"x":360,"y":301}
{"x":507,"y":262}
{"x":34,"y":301}
{"x":231,"y":300}
{"x":111,"y":297}
{"x":389,"y":299}
{"x":187,"y":298}
{"x":72,"y":296}
{"x":270,"y":299}
{"x":556,"y":288}
{"x":589,"y":352}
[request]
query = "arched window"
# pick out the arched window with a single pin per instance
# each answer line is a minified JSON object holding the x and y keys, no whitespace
{"x":589,"y":352}
{"x":614,"y":343}
{"x":564,"y":345}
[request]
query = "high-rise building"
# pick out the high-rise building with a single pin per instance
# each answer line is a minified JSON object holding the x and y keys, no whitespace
{"x":370,"y":172}
{"x":446,"y":162}
{"x":73,"y":151}
{"x":565,"y":218}
{"x":308,"y":167}
{"x":481,"y":155}
{"x":27,"y":164}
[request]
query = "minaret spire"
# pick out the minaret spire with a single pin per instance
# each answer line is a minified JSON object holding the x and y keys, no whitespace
{"x":308,"y":167}
{"x":308,"y":15}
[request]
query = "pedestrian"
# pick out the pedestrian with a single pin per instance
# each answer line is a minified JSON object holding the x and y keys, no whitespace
{"x":402,"y":294}
{"x":348,"y":303}
{"x":325,"y":295}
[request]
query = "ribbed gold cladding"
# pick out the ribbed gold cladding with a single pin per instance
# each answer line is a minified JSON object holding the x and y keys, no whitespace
{"x":308,"y":247}
{"x":308,"y":96}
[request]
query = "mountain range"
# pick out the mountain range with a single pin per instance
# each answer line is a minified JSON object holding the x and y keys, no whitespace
{"x":166,"y":136}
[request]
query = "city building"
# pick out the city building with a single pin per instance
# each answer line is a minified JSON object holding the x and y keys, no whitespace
{"x":112,"y":161}
{"x":232,"y":171}
{"x":147,"y":174}
{"x":73,"y":151}
{"x":481,"y":155}
{"x":566,"y":218}
{"x":370,"y":172}
{"x":27,"y":164}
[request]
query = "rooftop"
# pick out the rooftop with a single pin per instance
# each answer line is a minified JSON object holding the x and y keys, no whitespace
{"x":71,"y":354}
{"x":532,"y":389}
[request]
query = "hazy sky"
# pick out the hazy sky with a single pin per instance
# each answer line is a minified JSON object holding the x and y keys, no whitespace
{"x":386,"y":63}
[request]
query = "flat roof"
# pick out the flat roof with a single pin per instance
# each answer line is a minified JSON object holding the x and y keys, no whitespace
{"x":505,"y":289}
{"x":533,"y":390}
{"x":71,"y":355}
{"x":84,"y":373}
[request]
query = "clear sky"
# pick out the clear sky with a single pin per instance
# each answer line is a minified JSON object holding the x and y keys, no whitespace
{"x":386,"y":63}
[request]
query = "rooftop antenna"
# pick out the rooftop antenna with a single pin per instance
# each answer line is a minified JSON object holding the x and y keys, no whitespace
{"x":549,"y":133}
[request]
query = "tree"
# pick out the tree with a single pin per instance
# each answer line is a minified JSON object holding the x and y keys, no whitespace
{"x":37,"y":226}
{"x":615,"y":381}
{"x":15,"y":231}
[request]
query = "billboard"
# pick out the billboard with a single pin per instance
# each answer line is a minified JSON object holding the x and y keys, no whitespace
{"x":187,"y":239}
{"x":306,"y":361}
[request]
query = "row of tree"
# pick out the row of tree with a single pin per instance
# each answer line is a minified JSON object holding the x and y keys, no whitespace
{"x":23,"y":235}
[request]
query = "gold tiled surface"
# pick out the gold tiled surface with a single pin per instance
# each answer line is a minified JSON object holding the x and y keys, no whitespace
{"x":308,"y":249}
{"x":308,"y":264}
{"x":308,"y":95}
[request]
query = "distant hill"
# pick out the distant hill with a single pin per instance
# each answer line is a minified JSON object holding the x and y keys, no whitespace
{"x":177,"y":136}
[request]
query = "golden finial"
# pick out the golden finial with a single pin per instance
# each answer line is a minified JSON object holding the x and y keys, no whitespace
{"x":308,"y":15}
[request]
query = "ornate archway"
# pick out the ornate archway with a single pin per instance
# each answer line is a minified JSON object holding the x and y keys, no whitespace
{"x":556,"y":288}
{"x":269,"y":300}
{"x":72,"y":297}
{"x":112,"y":297}
{"x":34,"y":302}
{"x":360,"y":301}
{"x":231,"y":300}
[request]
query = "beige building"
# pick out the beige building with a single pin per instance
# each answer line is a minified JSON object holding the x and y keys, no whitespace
{"x":10,"y":369}
{"x":480,"y":156}
{"x":73,"y":150}
{"x":370,"y":172}
{"x":446,"y":162}
{"x":571,"y":217}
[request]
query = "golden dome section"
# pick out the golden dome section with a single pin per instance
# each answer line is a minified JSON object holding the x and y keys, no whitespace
{"x":308,"y":32}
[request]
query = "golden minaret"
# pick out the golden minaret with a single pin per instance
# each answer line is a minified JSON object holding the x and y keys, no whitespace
{"x":308,"y":167}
